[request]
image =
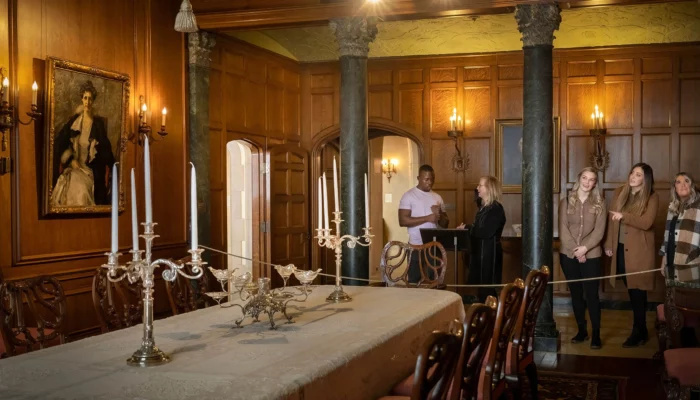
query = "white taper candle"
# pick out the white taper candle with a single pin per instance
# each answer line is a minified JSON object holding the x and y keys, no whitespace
{"x":366,"y":203}
{"x":115,"y":210}
{"x":320,"y":204}
{"x":335,"y":185}
{"x":325,"y":202}
{"x":147,"y":180}
{"x":193,"y":208}
{"x":134,"y":215}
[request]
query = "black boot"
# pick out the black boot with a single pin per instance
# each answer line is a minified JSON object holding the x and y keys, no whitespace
{"x":638,"y":338}
{"x":581,"y":335}
{"x":595,"y":339}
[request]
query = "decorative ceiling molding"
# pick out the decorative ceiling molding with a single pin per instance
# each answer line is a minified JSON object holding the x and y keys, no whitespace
{"x":254,"y":14}
{"x":676,"y":22}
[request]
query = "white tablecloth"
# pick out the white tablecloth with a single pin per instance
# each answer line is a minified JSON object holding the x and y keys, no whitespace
{"x":354,"y":350}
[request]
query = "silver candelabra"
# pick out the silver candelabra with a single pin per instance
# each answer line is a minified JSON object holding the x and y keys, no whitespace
{"x":335,"y":242}
{"x":260,"y":299}
{"x":139,"y":268}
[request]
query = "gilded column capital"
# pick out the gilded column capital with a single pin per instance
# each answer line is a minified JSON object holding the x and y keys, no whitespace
{"x":199,"y":46}
{"x":537,"y":23}
{"x":354,"y":34}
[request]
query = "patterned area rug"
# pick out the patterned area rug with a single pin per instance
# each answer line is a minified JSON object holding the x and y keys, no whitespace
{"x":555,"y":385}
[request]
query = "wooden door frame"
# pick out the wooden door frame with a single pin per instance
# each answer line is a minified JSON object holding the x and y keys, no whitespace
{"x":260,"y":189}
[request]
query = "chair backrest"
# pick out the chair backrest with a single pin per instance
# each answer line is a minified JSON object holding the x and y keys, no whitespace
{"x":118,"y":304}
{"x":396,"y":256}
{"x":676,"y":314}
{"x":46,"y":304}
{"x":521,"y":345}
{"x":185,"y":294}
{"x":435,"y":366}
{"x":476,"y":336}
{"x":507,"y":315}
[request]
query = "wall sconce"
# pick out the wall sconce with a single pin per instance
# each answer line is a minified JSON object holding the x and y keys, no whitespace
{"x":145,"y":130}
{"x":389,"y":167}
{"x":459,"y":162}
{"x":599,"y":158}
{"x":7,"y":112}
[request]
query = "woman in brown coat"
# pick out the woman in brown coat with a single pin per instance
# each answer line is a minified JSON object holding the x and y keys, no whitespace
{"x":630,"y":243}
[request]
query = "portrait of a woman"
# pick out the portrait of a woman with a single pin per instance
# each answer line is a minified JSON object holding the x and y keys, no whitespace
{"x":82,"y":155}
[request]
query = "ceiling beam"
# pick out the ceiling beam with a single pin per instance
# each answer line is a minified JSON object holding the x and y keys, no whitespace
{"x":246,"y":14}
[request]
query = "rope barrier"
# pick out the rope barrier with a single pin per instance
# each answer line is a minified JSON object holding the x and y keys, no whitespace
{"x":455,"y":286}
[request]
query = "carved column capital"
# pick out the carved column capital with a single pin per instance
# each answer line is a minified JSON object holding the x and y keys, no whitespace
{"x":354,"y":34}
{"x":537,"y":23}
{"x":200,"y":45}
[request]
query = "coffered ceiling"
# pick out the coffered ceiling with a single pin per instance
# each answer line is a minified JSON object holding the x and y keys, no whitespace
{"x":584,"y":27}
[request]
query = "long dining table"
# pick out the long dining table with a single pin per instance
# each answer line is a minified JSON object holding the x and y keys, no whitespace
{"x":353,"y":350}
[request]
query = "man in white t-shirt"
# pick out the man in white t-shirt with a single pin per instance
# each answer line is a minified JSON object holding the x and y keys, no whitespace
{"x":420,"y":207}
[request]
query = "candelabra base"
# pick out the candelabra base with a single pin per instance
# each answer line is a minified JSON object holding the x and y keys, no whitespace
{"x":338,"y":296}
{"x":148,"y":356}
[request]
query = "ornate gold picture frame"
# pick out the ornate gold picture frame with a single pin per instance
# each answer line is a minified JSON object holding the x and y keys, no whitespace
{"x":508,"y":157}
{"x":87,"y":111}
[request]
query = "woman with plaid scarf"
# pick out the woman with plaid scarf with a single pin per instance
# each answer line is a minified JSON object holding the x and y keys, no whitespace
{"x":681,"y":248}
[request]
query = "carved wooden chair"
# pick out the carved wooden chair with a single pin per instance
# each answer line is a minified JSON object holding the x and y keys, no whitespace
{"x":185,"y":294}
{"x":520,"y":352}
{"x":492,"y":382}
{"x":32,"y":314}
{"x":662,"y":333}
{"x":476,"y":337}
{"x":118,"y":304}
{"x":435,"y":368}
{"x":681,"y":372}
{"x":432,"y":259}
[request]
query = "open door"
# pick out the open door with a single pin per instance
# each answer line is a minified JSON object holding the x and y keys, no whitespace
{"x":289,"y":207}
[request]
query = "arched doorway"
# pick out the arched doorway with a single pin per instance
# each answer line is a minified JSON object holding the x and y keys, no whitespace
{"x":387,"y":140}
{"x":239,"y":205}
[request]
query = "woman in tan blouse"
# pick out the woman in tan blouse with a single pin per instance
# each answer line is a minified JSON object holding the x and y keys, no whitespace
{"x":582,"y":218}
{"x":630,"y":243}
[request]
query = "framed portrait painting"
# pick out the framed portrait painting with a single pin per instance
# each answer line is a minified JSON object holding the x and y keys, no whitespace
{"x":509,"y":154}
{"x":87,"y":111}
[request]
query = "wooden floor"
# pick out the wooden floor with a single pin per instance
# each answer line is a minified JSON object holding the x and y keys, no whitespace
{"x":615,"y":327}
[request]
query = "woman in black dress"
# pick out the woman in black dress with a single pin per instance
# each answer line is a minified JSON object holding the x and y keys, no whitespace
{"x":486,"y":255}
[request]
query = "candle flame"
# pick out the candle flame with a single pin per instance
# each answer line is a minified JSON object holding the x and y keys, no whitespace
{"x":6,"y":82}
{"x":143,"y":107}
{"x":35,"y":87}
{"x":165,"y":111}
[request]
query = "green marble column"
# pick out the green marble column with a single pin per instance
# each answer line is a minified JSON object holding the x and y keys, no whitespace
{"x":353,"y":35}
{"x":199,"y":50}
{"x":537,"y":23}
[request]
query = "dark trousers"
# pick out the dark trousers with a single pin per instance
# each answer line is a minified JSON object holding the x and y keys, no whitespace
{"x":576,"y":270}
{"x":638,"y":297}
{"x":414,"y":265}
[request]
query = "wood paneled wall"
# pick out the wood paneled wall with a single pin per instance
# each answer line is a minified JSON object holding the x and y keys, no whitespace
{"x":649,"y":94}
{"x":132,"y":37}
{"x":254,"y":97}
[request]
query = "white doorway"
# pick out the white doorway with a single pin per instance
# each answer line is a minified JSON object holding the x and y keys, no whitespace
{"x":239,"y":200}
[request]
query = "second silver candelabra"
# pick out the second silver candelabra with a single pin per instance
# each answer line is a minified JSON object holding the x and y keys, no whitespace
{"x":335,"y":242}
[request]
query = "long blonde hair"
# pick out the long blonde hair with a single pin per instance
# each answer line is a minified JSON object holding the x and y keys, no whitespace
{"x":636,"y":203}
{"x":677,"y":206}
{"x":494,"y":187}
{"x":595,"y":192}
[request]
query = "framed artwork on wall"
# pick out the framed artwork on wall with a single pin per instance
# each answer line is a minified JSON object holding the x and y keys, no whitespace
{"x":87,"y":110}
{"x":509,"y":154}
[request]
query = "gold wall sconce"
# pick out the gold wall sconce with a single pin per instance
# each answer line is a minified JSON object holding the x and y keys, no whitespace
{"x":459,"y":162}
{"x":599,"y":158}
{"x":145,"y":131}
{"x":389,"y":167}
{"x":7,"y":112}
